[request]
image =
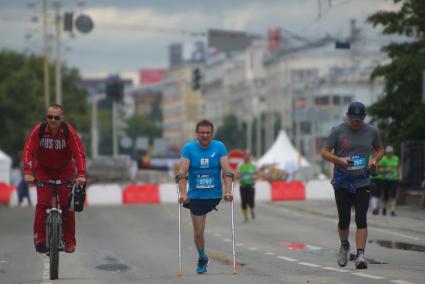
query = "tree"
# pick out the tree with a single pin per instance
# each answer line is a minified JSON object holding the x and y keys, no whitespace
{"x":231,"y":134}
{"x":22,"y":100}
{"x":139,"y":125}
{"x":400,"y":113}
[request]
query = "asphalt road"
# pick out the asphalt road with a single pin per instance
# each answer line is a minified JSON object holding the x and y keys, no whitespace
{"x":287,"y":243}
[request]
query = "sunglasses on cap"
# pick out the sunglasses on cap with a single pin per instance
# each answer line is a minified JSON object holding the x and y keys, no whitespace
{"x":53,"y":117}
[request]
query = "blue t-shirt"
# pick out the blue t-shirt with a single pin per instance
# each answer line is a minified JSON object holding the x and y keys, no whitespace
{"x":204,"y":169}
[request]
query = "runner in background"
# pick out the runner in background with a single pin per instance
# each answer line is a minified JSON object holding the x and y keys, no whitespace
{"x":247,"y":174}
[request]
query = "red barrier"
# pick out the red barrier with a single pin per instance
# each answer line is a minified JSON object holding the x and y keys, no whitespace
{"x":5,"y":193}
{"x":141,"y":194}
{"x":293,"y":190}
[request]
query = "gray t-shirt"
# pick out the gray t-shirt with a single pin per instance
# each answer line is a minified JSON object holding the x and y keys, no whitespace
{"x":356,"y":145}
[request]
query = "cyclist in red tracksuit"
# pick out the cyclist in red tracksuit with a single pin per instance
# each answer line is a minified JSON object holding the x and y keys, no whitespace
{"x":58,"y":154}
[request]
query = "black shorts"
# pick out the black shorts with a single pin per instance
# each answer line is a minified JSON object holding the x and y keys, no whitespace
{"x":199,"y":207}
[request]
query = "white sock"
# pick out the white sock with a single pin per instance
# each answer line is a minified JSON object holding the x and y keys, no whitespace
{"x":374,"y":203}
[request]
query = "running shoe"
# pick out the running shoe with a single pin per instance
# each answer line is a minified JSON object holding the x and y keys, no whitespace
{"x":393,"y":213}
{"x":41,"y":248}
{"x":202,"y":265}
{"x":343,"y":256}
{"x":252,"y":214}
{"x":361,"y":262}
{"x":384,"y":211}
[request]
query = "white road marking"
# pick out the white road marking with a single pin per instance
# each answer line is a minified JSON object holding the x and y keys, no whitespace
{"x":397,"y":234}
{"x":240,"y":244}
{"x":286,"y":258}
{"x":401,"y":281}
{"x":313,"y":247}
{"x":46,"y":271}
{"x":253,"y":249}
{"x":269,"y":253}
{"x":334,"y":269}
{"x":309,"y":264}
{"x":368,"y":275}
{"x":227,"y":240}
{"x":217,"y":235}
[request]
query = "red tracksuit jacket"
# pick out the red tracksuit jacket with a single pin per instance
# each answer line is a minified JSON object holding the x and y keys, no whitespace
{"x":54,"y":157}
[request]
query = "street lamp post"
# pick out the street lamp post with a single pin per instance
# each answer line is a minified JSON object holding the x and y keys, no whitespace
{"x":46,"y":57}
{"x":58,"y":71}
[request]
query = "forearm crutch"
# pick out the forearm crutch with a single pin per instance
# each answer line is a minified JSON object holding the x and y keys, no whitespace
{"x":233,"y":233}
{"x":180,"y":272}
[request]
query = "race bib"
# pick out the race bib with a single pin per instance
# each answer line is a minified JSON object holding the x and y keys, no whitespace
{"x":246,"y":177}
{"x":358,"y":163}
{"x":204,"y":181}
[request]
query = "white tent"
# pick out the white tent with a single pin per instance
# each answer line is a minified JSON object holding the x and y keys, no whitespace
{"x":5,"y":167}
{"x":283,"y":154}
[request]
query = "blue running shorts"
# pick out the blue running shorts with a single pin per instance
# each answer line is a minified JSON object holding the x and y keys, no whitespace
{"x":199,"y":207}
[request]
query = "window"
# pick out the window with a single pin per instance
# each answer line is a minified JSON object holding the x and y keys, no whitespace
{"x":347,"y":100}
{"x":305,"y":127}
{"x":321,"y":101}
{"x":337,"y":100}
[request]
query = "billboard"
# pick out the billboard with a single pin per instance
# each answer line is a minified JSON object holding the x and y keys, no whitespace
{"x":151,"y":76}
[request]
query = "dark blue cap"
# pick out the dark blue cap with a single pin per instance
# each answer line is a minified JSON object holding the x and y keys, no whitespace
{"x":356,"y":111}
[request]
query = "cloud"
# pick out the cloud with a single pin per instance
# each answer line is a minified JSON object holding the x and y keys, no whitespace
{"x":130,"y":34}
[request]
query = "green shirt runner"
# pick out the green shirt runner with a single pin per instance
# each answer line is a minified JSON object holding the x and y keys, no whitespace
{"x":392,"y":163}
{"x":247,"y":171}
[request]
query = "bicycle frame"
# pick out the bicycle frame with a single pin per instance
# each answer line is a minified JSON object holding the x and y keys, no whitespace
{"x":54,"y":237}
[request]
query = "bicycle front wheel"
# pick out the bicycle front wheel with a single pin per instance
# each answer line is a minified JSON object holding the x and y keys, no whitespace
{"x":54,"y":241}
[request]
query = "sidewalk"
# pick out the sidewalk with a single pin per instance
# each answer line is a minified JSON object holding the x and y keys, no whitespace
{"x":409,"y":218}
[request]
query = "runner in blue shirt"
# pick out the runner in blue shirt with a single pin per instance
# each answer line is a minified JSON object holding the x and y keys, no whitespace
{"x":203,"y":162}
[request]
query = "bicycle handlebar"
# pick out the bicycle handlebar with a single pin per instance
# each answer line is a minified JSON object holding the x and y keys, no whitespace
{"x":53,"y":182}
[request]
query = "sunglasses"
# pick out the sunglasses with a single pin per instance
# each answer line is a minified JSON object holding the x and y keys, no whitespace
{"x":53,"y":117}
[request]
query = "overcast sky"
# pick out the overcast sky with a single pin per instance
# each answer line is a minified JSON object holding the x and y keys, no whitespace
{"x":130,"y":34}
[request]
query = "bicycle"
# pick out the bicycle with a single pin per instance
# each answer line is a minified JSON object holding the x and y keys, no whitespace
{"x":54,"y":237}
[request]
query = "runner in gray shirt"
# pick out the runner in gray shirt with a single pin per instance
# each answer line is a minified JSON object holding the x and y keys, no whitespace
{"x":349,"y":146}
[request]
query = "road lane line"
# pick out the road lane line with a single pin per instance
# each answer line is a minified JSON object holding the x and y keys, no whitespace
{"x":287,"y":258}
{"x":217,"y":235}
{"x":368,"y":275}
{"x":227,"y":240}
{"x":398,"y":281}
{"x":253,"y":248}
{"x":334,"y":269}
{"x":397,"y":234}
{"x":269,"y":253}
{"x":309,"y":264}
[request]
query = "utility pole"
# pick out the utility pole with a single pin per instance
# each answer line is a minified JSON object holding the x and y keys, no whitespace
{"x":258,"y":136}
{"x":114,"y":128}
{"x":58,"y":70}
{"x":95,"y":125}
{"x":46,"y":57}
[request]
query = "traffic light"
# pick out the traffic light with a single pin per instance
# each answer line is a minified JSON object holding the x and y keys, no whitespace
{"x":342,"y":44}
{"x":196,"y":78}
{"x":115,"y":90}
{"x":68,"y":22}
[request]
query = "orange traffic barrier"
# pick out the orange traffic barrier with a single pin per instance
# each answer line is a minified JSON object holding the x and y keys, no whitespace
{"x":141,"y":194}
{"x":5,"y":193}
{"x":293,"y":190}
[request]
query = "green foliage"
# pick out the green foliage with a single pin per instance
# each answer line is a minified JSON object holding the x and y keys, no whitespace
{"x":139,"y":125}
{"x":231,"y":134}
{"x":400,"y":113}
{"x":22,"y":99}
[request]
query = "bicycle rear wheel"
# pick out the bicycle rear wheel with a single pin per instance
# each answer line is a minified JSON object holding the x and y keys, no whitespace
{"x":54,"y":241}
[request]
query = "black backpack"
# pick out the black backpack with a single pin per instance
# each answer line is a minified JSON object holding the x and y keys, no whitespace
{"x":76,"y":198}
{"x":42,"y":130}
